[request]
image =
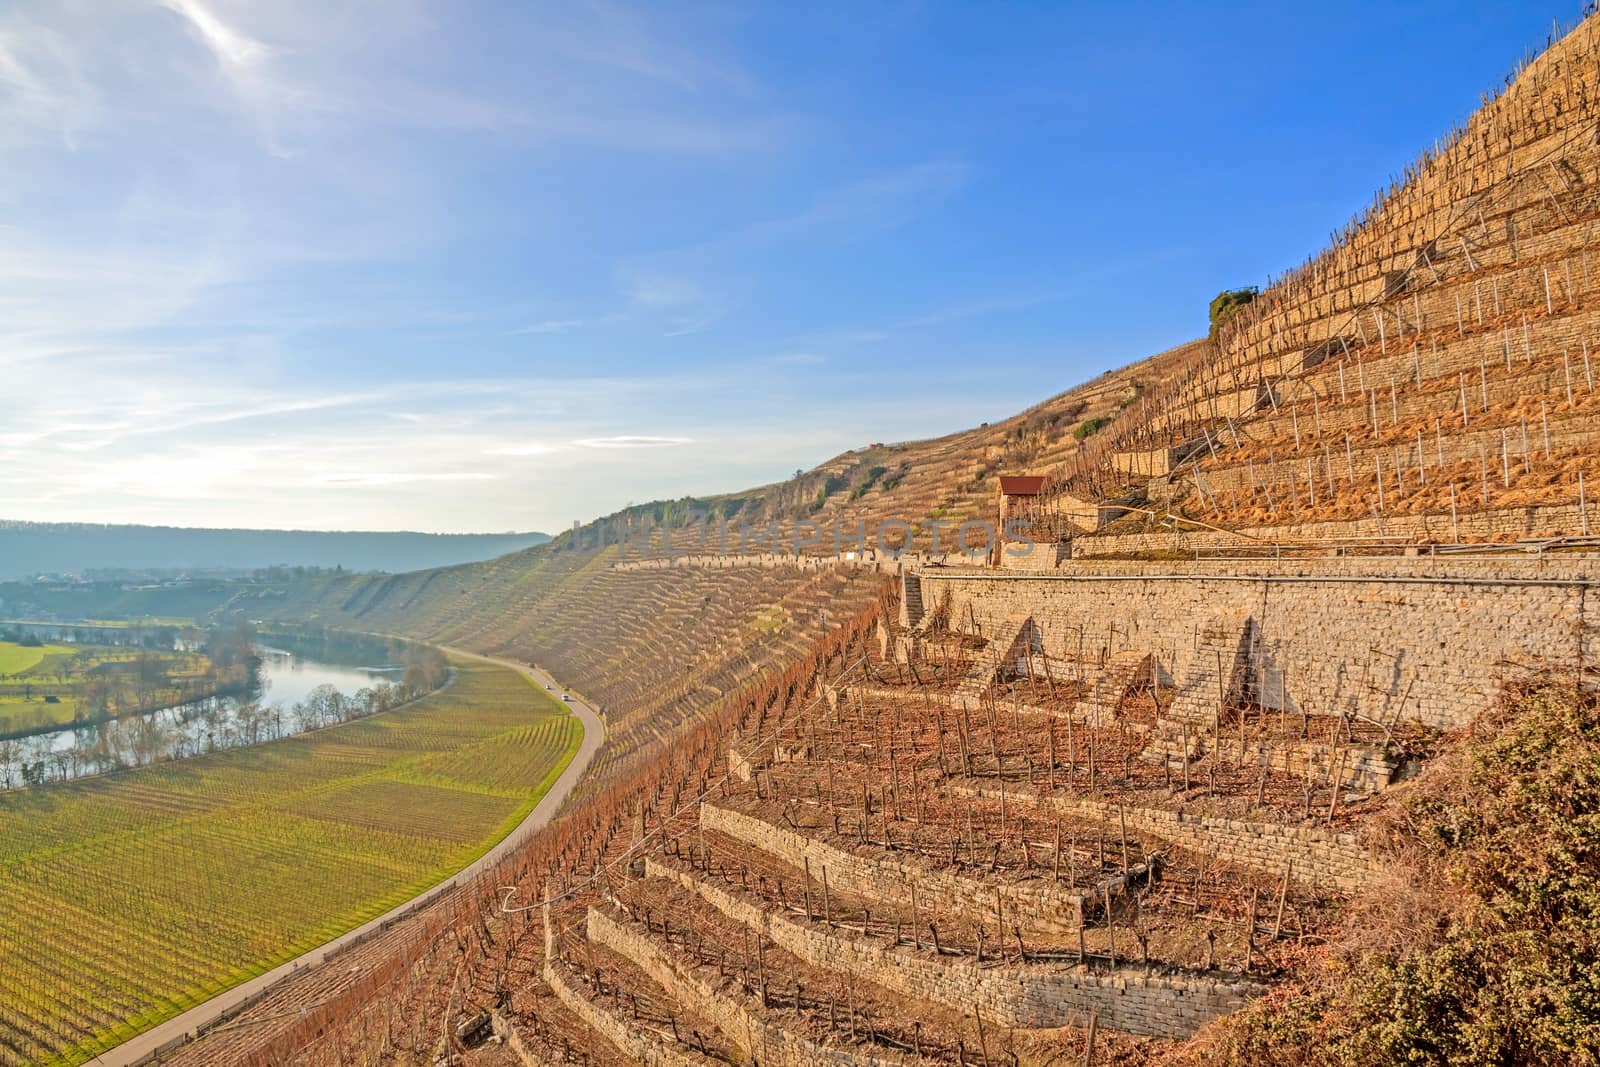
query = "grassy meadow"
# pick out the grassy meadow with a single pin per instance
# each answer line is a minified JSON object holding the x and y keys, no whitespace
{"x":17,"y":659}
{"x":129,"y":898}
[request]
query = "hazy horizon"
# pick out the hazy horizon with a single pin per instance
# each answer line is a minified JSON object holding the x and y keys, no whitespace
{"x":7,"y":522}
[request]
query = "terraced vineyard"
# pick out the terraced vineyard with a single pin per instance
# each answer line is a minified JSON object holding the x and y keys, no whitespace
{"x":650,"y":649}
{"x":126,"y":899}
{"x":1427,"y":377}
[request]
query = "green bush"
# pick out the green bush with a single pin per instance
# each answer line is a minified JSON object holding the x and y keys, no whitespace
{"x":1228,"y":301}
{"x":1089,"y":427}
{"x":865,"y":485}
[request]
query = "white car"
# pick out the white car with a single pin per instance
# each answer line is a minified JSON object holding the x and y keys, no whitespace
{"x":567,"y":697}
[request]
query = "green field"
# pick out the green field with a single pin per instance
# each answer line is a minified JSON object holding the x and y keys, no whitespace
{"x":15,"y":659}
{"x":126,"y":899}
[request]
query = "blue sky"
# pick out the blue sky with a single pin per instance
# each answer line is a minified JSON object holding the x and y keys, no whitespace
{"x":460,"y":266}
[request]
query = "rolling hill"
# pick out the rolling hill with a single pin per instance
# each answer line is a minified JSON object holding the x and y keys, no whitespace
{"x":32,"y":548}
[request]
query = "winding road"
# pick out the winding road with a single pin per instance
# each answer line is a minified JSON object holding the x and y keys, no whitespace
{"x":141,"y":1048}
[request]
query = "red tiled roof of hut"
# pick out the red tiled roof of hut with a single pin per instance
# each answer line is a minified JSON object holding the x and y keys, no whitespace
{"x":1022,"y":484}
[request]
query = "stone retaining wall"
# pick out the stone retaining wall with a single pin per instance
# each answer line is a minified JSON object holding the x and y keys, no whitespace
{"x":1312,"y":856}
{"x":1426,"y":640}
{"x":742,"y":1024}
{"x":507,"y":1032}
{"x":1534,"y":521}
{"x":1043,"y":907}
{"x":638,"y":1044}
{"x":1038,"y":995}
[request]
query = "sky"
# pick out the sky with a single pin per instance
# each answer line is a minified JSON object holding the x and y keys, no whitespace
{"x":463,"y":266}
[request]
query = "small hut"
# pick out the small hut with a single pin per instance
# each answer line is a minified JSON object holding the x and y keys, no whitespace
{"x":1036,"y":515}
{"x":1021,"y":496}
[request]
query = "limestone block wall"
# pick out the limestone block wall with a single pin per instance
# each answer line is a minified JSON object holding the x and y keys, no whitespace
{"x":1311,"y":856}
{"x":1018,"y":556}
{"x":1150,"y":463}
{"x":1038,"y":995}
{"x":1552,"y":520}
{"x":1399,"y":639}
{"x":1040,"y":906}
{"x":1084,"y":514}
{"x":726,"y":1008}
{"x":634,"y":1042}
{"x":1362,"y":767}
{"x":514,"y":1043}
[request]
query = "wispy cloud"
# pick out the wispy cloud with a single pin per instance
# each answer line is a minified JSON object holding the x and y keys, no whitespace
{"x":375,"y":480}
{"x":665,"y":291}
{"x":234,"y":50}
{"x":551,"y":326}
{"x":391,"y":262}
{"x":842,"y":212}
{"x":632,"y":441}
{"x":42,"y":86}
{"x":693,"y":286}
{"x":623,"y":40}
{"x":532,"y":448}
{"x":798,"y":359}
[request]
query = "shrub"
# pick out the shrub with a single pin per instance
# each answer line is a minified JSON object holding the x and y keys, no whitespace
{"x":1228,"y":301}
{"x":865,"y":485}
{"x":1089,"y":427}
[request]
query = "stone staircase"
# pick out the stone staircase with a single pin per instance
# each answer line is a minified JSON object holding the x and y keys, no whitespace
{"x":1211,"y":672}
{"x":1009,"y":651}
{"x":1108,"y":683}
{"x":912,"y":611}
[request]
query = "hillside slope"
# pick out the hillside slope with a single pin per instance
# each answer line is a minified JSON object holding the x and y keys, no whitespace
{"x":29,"y":548}
{"x":1428,"y":376}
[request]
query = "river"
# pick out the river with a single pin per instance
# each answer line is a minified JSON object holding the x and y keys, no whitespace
{"x":274,"y":709}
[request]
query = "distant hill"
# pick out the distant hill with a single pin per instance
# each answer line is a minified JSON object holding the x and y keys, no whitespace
{"x":31,"y":548}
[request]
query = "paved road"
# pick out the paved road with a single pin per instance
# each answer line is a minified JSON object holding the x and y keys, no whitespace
{"x":137,"y":1049}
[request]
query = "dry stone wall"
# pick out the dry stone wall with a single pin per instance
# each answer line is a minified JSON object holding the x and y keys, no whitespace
{"x":636,"y":1043}
{"x":1041,"y":995}
{"x":726,"y":1010}
{"x":1310,"y":855}
{"x":1400,"y":640}
{"x":1529,"y":522}
{"x":1043,"y":907}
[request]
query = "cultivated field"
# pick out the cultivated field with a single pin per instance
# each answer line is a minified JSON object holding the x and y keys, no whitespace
{"x":15,"y":659}
{"x":126,"y":899}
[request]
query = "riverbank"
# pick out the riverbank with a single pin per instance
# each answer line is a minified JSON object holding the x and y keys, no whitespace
{"x":305,"y":695}
{"x":44,"y":687}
